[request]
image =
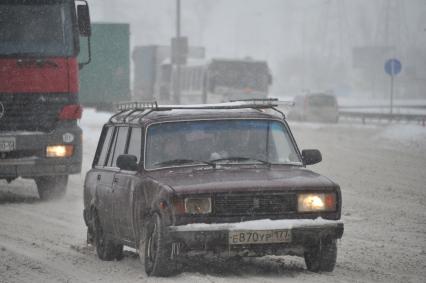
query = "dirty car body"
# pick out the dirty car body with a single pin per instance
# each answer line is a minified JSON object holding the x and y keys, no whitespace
{"x":229,"y":181}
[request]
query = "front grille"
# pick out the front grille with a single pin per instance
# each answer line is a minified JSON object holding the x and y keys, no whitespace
{"x":254,"y":203}
{"x":31,"y":112}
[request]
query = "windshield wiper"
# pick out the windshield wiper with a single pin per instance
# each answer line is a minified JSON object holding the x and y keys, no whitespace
{"x":241,"y":159}
{"x":184,"y":161}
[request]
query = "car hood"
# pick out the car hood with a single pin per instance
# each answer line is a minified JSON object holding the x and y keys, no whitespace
{"x":235,"y":179}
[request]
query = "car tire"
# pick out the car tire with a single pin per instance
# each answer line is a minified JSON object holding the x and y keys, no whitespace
{"x":155,"y":249}
{"x":106,"y":248}
{"x":322,"y":257}
{"x":51,"y":187}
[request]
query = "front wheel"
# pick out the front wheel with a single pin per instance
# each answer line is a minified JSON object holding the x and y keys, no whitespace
{"x":155,"y":249}
{"x":51,"y":187}
{"x":322,"y":257}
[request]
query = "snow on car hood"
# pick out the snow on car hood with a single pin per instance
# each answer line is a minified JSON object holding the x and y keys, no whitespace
{"x":249,"y":179}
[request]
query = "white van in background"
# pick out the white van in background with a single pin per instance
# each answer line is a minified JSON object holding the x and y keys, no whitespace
{"x":315,"y":107}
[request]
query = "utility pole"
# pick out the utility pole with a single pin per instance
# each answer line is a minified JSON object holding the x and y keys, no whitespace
{"x":178,"y":62}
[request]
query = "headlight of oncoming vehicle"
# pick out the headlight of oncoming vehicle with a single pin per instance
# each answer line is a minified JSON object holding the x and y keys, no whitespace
{"x":313,"y":202}
{"x":198,"y":205}
{"x":59,"y":150}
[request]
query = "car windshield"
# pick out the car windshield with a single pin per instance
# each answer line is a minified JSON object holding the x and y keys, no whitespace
{"x":39,"y":29}
{"x":221,"y":142}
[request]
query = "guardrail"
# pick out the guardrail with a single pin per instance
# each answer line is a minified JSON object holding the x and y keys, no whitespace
{"x":420,"y":118}
{"x":408,"y":106}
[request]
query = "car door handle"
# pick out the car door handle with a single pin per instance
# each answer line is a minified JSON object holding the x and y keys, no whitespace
{"x":99,"y":177}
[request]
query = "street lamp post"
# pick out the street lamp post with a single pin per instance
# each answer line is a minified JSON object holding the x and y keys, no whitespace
{"x":178,"y":62}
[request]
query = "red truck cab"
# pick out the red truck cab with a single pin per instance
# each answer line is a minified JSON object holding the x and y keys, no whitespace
{"x":39,"y":84}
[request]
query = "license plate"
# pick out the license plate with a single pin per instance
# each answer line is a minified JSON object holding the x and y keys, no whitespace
{"x":259,"y":237}
{"x":7,"y":144}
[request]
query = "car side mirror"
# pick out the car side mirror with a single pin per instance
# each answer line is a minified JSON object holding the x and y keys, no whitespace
{"x":311,"y":156}
{"x":127,"y":162}
{"x":84,"y":20}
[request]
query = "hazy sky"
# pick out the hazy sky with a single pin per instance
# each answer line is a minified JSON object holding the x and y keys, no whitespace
{"x":247,"y":25}
{"x":284,"y":32}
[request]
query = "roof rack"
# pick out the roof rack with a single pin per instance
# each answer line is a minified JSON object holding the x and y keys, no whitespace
{"x":127,"y":109}
{"x":132,"y":105}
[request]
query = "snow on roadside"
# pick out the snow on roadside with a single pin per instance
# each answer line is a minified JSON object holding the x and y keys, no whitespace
{"x":94,"y":120}
{"x":91,"y":123}
{"x":356,"y":101}
{"x":404,"y":134}
{"x":401,"y":134}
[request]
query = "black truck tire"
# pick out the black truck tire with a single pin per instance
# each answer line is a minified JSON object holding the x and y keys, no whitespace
{"x":155,"y":249}
{"x":322,"y":257}
{"x":106,"y":248}
{"x":51,"y":187}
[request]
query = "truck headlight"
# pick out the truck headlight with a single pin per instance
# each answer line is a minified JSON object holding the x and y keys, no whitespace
{"x":312,"y":202}
{"x":59,"y":150}
{"x":198,"y":205}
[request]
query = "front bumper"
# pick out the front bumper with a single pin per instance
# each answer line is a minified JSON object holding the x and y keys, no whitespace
{"x":28,"y":159}
{"x":217,"y":237}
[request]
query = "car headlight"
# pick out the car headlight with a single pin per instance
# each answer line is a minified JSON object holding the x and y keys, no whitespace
{"x":312,"y":202}
{"x":198,"y":205}
{"x":59,"y":150}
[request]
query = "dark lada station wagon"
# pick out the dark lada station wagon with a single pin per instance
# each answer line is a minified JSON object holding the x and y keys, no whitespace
{"x":225,"y":179}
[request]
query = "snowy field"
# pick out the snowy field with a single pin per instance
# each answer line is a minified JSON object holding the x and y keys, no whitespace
{"x":381,"y":169}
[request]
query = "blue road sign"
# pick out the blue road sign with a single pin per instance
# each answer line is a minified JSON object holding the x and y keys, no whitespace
{"x":393,"y":67}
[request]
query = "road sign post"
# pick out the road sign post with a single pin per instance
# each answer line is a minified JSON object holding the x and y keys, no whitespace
{"x":176,"y":54}
{"x":392,"y":68}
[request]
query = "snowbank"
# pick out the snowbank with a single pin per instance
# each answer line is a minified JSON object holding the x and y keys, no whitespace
{"x":93,"y":118}
{"x":91,"y":123}
{"x":404,"y":134}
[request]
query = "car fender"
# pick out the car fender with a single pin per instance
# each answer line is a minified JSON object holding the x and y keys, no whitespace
{"x":147,"y":198}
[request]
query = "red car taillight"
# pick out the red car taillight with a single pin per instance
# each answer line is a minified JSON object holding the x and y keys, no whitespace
{"x":71,"y":112}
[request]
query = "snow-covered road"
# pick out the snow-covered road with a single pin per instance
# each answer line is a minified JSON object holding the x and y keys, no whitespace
{"x":381,"y":170}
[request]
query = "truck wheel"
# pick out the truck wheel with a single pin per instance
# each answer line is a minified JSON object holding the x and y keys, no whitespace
{"x":155,"y":249}
{"x":51,"y":187}
{"x":106,"y":248}
{"x":322,"y":257}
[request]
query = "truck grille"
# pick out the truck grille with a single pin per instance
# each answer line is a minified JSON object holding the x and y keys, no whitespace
{"x":31,"y":112}
{"x":250,"y":204}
